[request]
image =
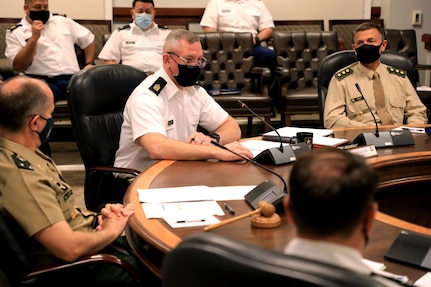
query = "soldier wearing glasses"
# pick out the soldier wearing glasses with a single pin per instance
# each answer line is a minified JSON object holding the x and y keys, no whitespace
{"x":163,"y":113}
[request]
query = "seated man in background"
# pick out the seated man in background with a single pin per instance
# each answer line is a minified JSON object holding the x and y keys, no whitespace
{"x":162,"y":115}
{"x":243,"y":16}
{"x":140,"y":43}
{"x":34,"y":193}
{"x":331,"y":203}
{"x":42,"y":46}
{"x":388,"y":91}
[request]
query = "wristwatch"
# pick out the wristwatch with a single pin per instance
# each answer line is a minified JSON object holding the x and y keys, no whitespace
{"x":215,"y":136}
{"x":257,"y":40}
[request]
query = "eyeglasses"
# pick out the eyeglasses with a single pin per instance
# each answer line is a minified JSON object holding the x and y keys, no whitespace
{"x":201,"y":62}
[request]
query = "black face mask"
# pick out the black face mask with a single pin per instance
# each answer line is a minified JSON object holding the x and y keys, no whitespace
{"x":367,"y":54}
{"x":187,"y":75}
{"x":44,"y":135}
{"x":42,"y":15}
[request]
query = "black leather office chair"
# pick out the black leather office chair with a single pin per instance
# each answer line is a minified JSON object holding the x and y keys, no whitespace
{"x":231,"y":66}
{"x":16,"y":261}
{"x":96,"y":98}
{"x":335,"y":62}
{"x":298,"y":56}
{"x":212,"y":260}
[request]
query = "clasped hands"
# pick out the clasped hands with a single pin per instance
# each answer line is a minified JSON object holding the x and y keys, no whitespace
{"x":114,"y":213}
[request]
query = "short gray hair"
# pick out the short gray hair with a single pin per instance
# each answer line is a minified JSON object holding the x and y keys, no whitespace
{"x":172,"y":42}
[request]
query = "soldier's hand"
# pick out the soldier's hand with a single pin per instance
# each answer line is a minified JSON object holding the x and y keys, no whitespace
{"x":36,"y":29}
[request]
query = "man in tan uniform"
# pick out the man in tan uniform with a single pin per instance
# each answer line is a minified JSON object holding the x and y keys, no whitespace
{"x":345,"y":106}
{"x":34,"y":193}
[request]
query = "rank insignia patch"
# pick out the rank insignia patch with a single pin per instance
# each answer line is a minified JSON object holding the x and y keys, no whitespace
{"x":158,"y":85}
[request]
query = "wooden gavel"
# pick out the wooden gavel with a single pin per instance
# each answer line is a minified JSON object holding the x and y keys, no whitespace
{"x":265,"y":208}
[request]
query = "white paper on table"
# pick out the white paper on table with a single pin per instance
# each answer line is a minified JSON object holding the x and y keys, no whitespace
{"x":220,"y":193}
{"x":194,"y":209}
{"x":193,"y":193}
{"x":291,"y":131}
{"x":374,"y":265}
{"x":257,"y":146}
{"x":411,"y":129}
{"x":175,"y":194}
{"x":423,"y":88}
{"x":424,"y":281}
{"x":328,"y":141}
{"x":190,"y":222}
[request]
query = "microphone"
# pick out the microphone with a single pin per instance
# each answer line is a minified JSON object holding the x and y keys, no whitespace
{"x":244,"y":106}
{"x":252,"y":162}
{"x":383,"y":139}
{"x":281,"y":155}
{"x":368,"y":106}
{"x":266,"y":190}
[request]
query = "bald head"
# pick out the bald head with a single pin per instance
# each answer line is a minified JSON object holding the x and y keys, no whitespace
{"x":21,"y":98}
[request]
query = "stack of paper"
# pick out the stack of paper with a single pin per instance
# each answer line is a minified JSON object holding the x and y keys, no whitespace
{"x":188,"y":206}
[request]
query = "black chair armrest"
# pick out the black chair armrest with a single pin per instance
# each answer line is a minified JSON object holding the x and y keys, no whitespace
{"x":283,"y":74}
{"x":261,"y":77}
{"x":123,"y":170}
{"x":264,"y":72}
{"x":87,"y":260}
{"x":422,"y":67}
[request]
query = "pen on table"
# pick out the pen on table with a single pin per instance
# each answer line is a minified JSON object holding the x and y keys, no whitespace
{"x":229,"y":208}
{"x":192,"y":220}
{"x":414,"y":129}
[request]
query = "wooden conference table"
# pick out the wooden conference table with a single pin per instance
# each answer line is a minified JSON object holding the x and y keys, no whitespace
{"x":403,"y":196}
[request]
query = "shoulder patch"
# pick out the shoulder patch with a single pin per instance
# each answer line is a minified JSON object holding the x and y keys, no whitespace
{"x":13,"y":27}
{"x":59,"y":14}
{"x":21,"y":162}
{"x":163,"y":27}
{"x":398,"y":72}
{"x":124,"y":27}
{"x":158,"y":85}
{"x":343,"y":73}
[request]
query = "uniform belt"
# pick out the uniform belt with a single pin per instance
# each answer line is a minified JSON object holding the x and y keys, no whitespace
{"x":59,"y":77}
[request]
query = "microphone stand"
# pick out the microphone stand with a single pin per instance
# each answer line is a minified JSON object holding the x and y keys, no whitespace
{"x":253,"y":162}
{"x":383,"y":139}
{"x":369,"y":109}
{"x":266,"y":190}
{"x":281,"y":155}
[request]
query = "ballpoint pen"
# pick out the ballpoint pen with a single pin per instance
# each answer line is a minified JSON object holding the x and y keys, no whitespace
{"x":192,"y":220}
{"x":419,"y":130}
{"x":229,"y":208}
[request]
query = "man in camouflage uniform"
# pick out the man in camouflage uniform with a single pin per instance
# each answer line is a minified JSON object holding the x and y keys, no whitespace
{"x":34,"y":193}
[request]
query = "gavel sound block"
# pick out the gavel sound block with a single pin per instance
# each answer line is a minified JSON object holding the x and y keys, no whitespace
{"x":263,"y":217}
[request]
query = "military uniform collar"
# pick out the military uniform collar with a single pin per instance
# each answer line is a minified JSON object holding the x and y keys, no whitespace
{"x":367,"y":71}
{"x":24,"y":152}
{"x":171,"y":88}
{"x":153,"y":29}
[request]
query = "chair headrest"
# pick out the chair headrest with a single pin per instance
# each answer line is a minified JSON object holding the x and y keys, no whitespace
{"x":208,"y":259}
